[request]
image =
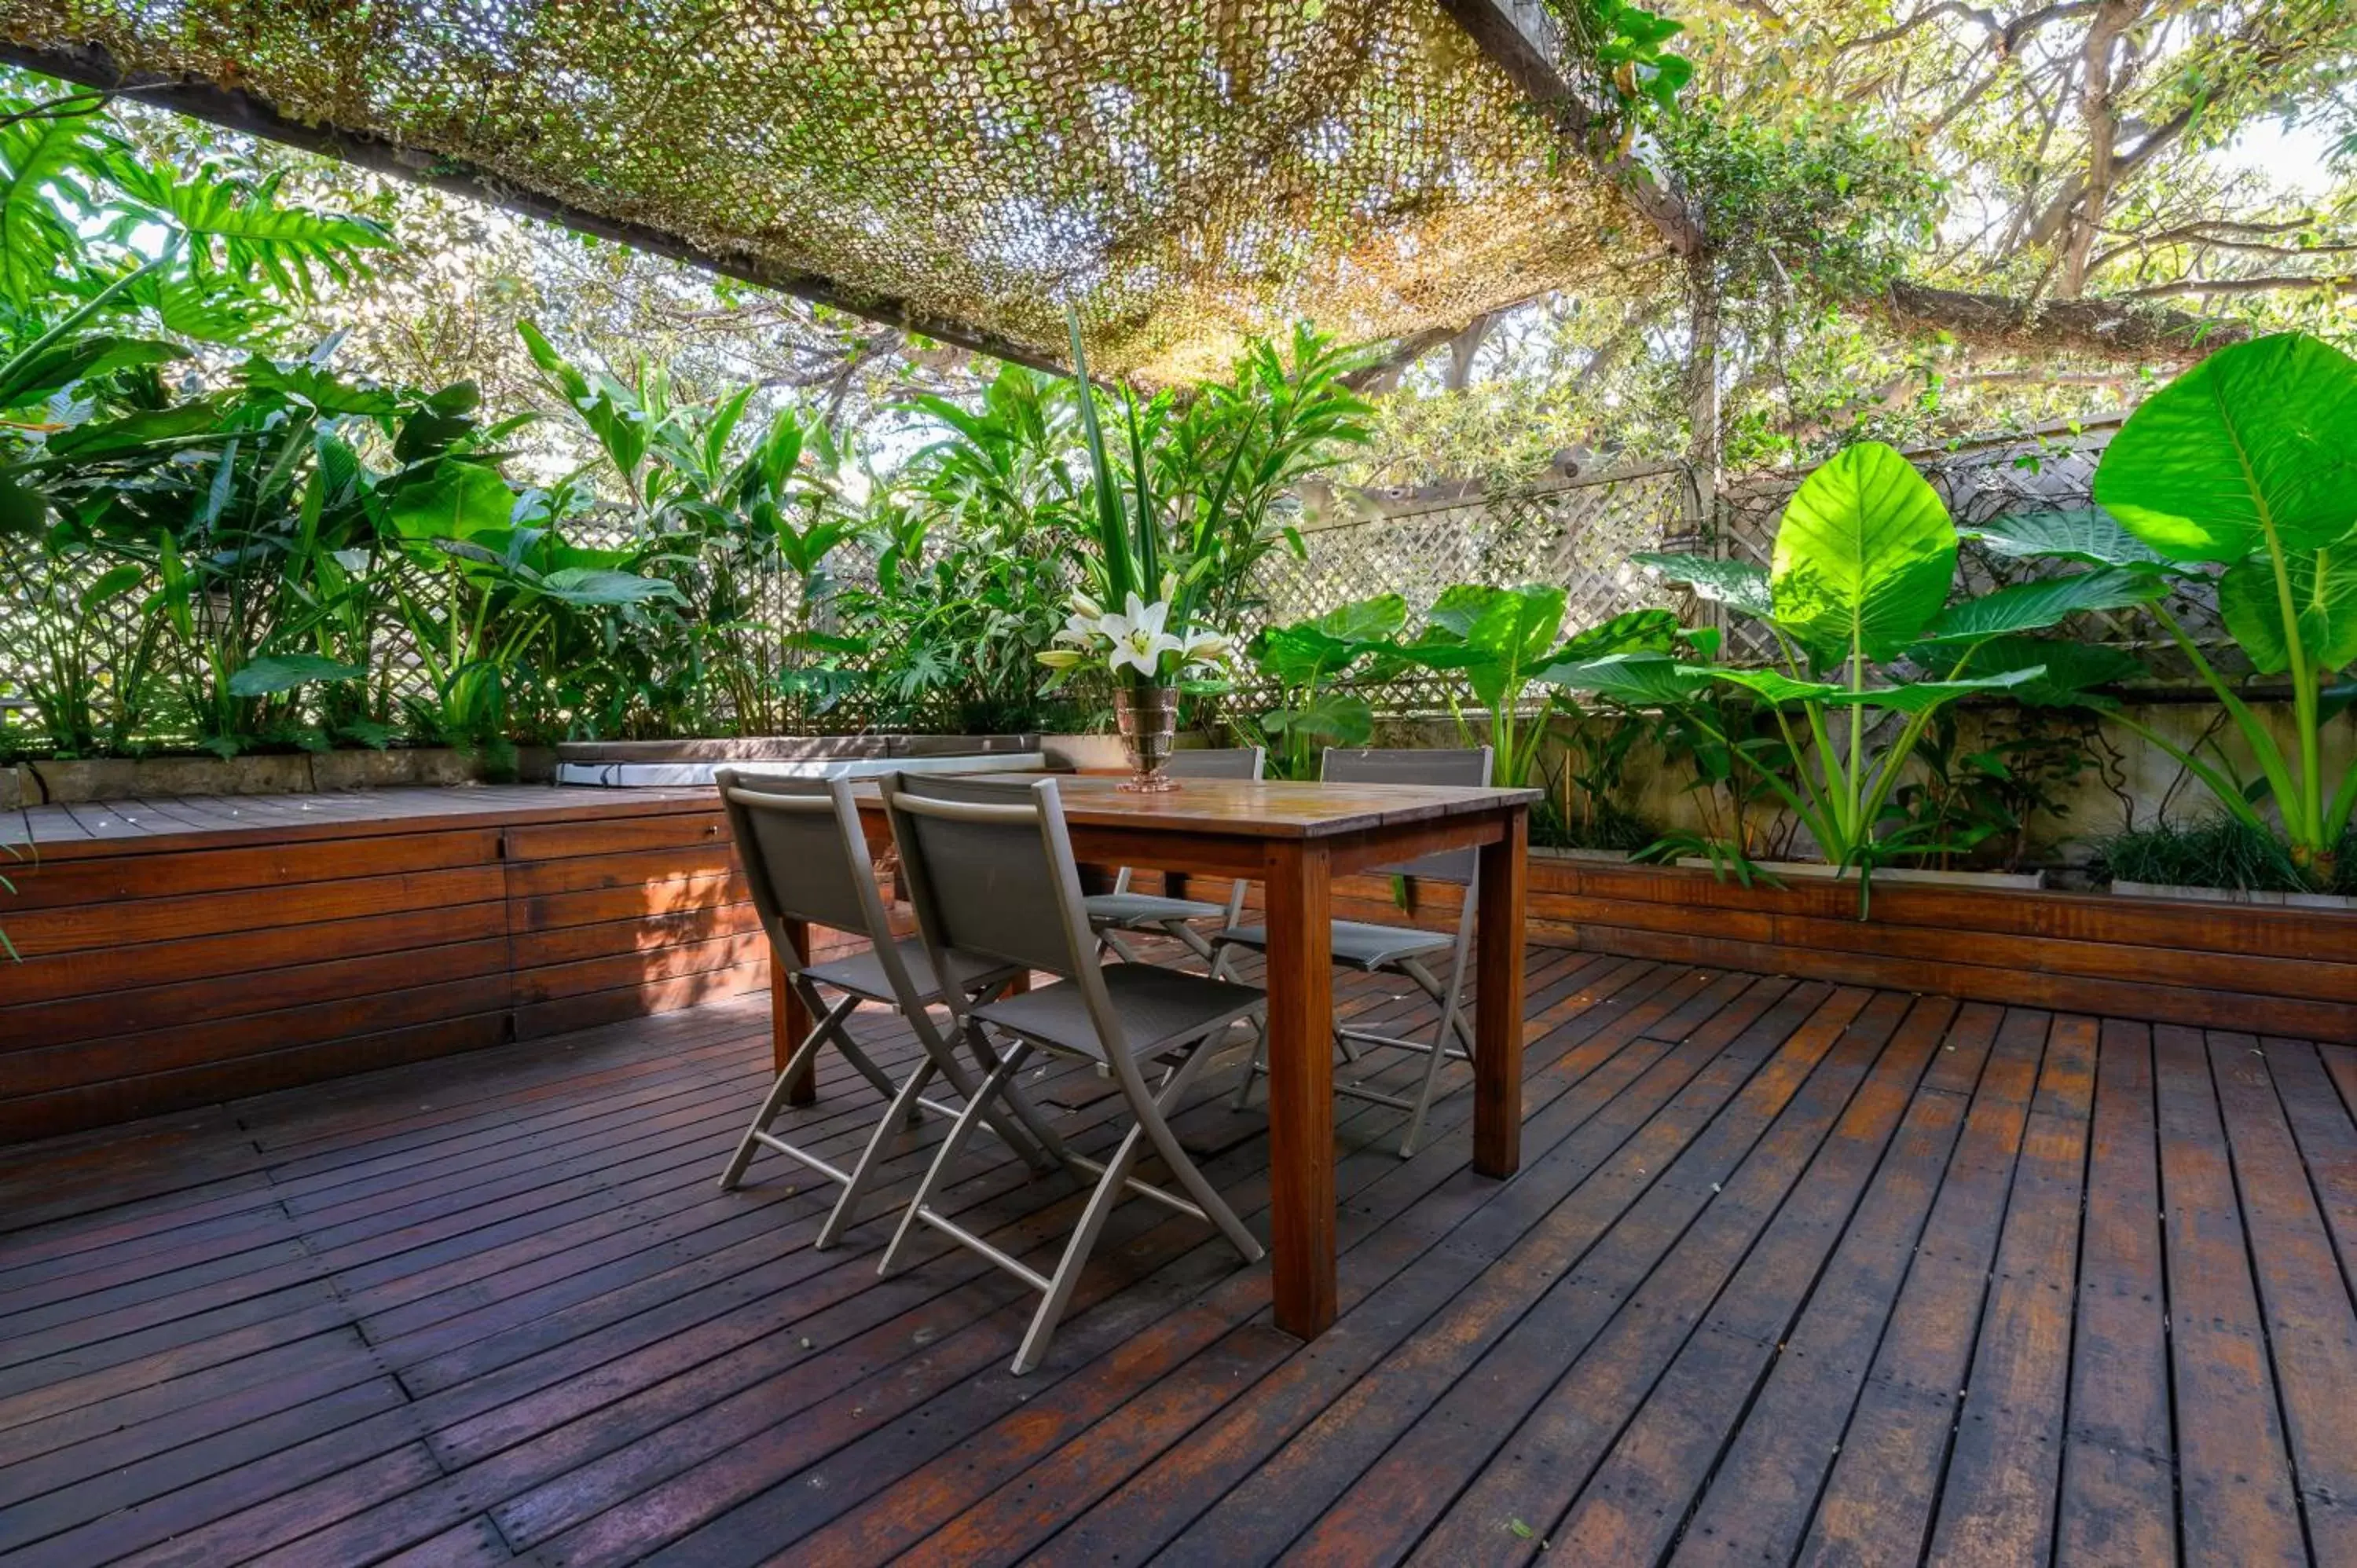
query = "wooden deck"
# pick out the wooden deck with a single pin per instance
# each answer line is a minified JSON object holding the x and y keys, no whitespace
{"x":1793,"y":1272}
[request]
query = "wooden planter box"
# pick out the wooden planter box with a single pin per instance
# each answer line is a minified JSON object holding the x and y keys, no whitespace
{"x":2289,"y":972}
{"x":180,"y":967}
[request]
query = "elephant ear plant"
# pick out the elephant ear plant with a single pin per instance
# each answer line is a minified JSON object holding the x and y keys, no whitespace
{"x":1307,"y":664}
{"x":2247,"y":461}
{"x":1856,"y":598}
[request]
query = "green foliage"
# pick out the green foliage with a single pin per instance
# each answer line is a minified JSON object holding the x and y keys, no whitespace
{"x":1310,"y":664}
{"x":1864,"y":562}
{"x":2250,"y":460}
{"x":2224,"y":852}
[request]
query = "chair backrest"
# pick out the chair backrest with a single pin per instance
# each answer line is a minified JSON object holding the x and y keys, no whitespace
{"x":981,"y":858}
{"x":804,"y":856}
{"x":1247,"y":762}
{"x":1469,"y":769}
{"x":1218,"y":762}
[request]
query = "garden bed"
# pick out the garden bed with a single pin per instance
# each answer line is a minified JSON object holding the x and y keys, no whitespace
{"x":181,"y":952}
{"x":2271,"y":970}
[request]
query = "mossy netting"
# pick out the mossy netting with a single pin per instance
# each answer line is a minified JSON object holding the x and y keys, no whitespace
{"x":1189,"y":172}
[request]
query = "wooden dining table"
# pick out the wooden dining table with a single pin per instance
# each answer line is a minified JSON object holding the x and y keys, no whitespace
{"x":1295,"y":839}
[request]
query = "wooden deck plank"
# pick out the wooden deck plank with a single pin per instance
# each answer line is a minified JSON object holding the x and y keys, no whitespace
{"x":2311,"y":1328}
{"x":1790,"y":1271}
{"x":2119,"y":1487}
{"x":2236,"y":1499}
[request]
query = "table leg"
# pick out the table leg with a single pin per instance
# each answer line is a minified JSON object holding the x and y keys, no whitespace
{"x":789,"y":1021}
{"x":1301,"y":1086}
{"x":1498,"y":1001}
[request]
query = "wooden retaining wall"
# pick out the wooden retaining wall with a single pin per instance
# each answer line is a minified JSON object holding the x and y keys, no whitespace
{"x":2270,"y":970}
{"x":200,"y":960}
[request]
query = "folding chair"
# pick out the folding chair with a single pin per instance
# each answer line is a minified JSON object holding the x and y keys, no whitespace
{"x":1122,"y":910}
{"x":990,"y":872}
{"x":1399,"y":949}
{"x":806,"y":858}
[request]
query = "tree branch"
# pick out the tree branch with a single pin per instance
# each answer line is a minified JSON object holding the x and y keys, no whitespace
{"x":2266,"y":284}
{"x":2120,"y":330}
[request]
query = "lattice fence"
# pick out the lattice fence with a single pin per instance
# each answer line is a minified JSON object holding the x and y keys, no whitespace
{"x":1578,"y":532}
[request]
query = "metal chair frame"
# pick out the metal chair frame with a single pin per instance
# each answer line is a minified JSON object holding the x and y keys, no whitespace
{"x":1034,"y":813}
{"x":1451,"y":866}
{"x":744,"y":795}
{"x":1246,"y":762}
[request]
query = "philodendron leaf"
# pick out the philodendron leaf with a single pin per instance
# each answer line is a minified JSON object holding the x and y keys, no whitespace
{"x":1636,"y":631}
{"x":1636,"y":679}
{"x":1364,"y":620}
{"x":460,"y":501}
{"x":1864,"y":556}
{"x":23,"y":509}
{"x":594,"y":586}
{"x":2257,"y":437}
{"x":2323,"y":586}
{"x":1736,"y":584}
{"x":285,"y":671}
{"x":2071,"y":670}
{"x":2035,"y":605}
{"x":2090,"y":535}
{"x":1916,"y":697}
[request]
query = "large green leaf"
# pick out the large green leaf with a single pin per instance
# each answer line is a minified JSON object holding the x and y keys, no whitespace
{"x":1496,"y":636}
{"x":1864,"y":556}
{"x":36,"y":375}
{"x":41,"y":154}
{"x":457,"y":501}
{"x":1635,"y":679}
{"x":285,"y":671}
{"x":1364,"y":620}
{"x":2324,"y":600}
{"x":2035,"y":605}
{"x":2089,"y":535}
{"x":23,"y":509}
{"x":151,"y":432}
{"x":598,"y":587}
{"x":1916,"y":697}
{"x":1736,"y":584}
{"x":2070,"y":670}
{"x":2258,"y":437}
{"x":1633,"y":631}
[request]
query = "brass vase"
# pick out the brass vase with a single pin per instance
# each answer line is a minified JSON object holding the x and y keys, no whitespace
{"x":1147,"y":717}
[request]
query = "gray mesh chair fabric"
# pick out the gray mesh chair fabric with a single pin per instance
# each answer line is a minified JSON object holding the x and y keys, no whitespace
{"x":1400,"y":949}
{"x":805,"y":858}
{"x":1120,"y":911}
{"x":990,"y":870}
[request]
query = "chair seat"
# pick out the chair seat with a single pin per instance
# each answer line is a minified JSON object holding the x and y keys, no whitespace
{"x":1355,"y":942}
{"x":862,"y":973}
{"x":1148,"y":909}
{"x":1157,"y":1007}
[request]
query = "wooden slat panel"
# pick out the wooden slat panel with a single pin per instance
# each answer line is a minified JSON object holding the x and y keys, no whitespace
{"x":548,"y":983}
{"x":216,"y":997}
{"x":2079,"y":917}
{"x":560,"y":840}
{"x":48,"y":884}
{"x":645,"y":868}
{"x":230,"y":960}
{"x":45,"y":932}
{"x":611,"y":938}
{"x":157,"y":1045}
{"x":535,"y":1020}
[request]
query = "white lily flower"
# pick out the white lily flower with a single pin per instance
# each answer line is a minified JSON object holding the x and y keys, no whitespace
{"x":1080,"y":629}
{"x":1202,"y":647}
{"x":1138,"y":640}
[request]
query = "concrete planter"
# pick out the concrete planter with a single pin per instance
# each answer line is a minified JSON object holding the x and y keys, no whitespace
{"x":150,"y":778}
{"x":2234,"y":896}
{"x":2017,"y":881}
